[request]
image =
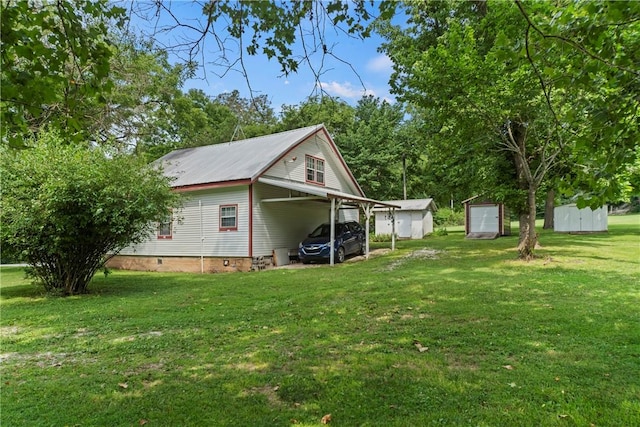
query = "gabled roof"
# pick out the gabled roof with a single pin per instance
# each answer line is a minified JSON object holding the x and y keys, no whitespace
{"x":237,"y":161}
{"x":411,"y":205}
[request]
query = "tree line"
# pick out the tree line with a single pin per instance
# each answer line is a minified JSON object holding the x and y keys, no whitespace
{"x":511,"y":101}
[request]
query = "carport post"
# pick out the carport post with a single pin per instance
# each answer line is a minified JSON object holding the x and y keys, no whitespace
{"x":393,"y":229}
{"x":367,"y":213}
{"x":332,"y":234}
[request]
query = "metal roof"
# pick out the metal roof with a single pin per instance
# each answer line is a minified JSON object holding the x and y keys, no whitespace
{"x":323,"y":192}
{"x":233,"y":161}
{"x":411,"y":205}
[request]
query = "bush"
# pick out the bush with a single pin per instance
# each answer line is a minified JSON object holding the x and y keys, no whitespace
{"x":379,"y":237}
{"x":441,"y":232}
{"x":66,"y":207}
{"x":447,"y":217}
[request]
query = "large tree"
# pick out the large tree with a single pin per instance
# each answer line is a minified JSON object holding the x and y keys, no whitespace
{"x":452,"y":67}
{"x":373,"y":148}
{"x":254,"y":117}
{"x":198,"y":120}
{"x":139,"y":112}
{"x":337,"y":115}
{"x":589,"y":52}
{"x":475,"y":69}
{"x":67,"y":207}
{"x":55,"y":65}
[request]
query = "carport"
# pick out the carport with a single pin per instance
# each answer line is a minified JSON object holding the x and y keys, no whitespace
{"x":337,"y":199}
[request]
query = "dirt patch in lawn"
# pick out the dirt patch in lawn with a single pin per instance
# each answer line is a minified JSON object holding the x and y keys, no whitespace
{"x":419,"y":254}
{"x":270,"y":392}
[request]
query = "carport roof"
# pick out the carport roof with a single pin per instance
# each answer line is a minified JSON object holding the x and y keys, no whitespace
{"x":322,"y":192}
{"x":412,"y":204}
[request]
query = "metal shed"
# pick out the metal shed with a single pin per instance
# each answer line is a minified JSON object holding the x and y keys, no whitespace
{"x":570,"y":219}
{"x":486,"y":220}
{"x":413,"y":218}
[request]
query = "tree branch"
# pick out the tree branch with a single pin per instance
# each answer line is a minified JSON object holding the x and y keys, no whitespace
{"x":571,"y":43}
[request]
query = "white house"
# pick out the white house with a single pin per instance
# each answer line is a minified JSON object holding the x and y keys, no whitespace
{"x":248,"y":200}
{"x":413,"y":218}
{"x":570,"y":219}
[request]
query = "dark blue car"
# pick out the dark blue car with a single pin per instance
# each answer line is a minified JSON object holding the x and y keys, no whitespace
{"x":349,"y":239}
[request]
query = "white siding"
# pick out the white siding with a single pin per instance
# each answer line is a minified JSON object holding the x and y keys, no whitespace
{"x":427,"y":223}
{"x":409,"y":224}
{"x":417,"y":227}
{"x":569,"y":218}
{"x":200,"y":217}
{"x":383,"y":222}
{"x":336,"y":177}
{"x":283,"y":224}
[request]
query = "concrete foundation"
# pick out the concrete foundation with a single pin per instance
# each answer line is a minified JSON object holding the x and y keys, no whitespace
{"x":179,"y":264}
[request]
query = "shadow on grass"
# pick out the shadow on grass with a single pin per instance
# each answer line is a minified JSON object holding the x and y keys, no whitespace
{"x":22,"y":291}
{"x":512,"y":350}
{"x":121,"y":284}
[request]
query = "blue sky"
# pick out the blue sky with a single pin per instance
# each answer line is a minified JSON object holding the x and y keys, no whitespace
{"x":361,"y":70}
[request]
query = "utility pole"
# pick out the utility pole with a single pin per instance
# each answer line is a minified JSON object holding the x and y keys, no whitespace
{"x":404,"y":176}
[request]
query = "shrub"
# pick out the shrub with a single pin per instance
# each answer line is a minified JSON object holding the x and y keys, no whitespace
{"x":66,"y":207}
{"x":379,"y":237}
{"x":447,"y":217}
{"x":441,"y":232}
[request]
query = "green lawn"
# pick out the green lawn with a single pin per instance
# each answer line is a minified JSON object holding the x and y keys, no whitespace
{"x":459,"y":334}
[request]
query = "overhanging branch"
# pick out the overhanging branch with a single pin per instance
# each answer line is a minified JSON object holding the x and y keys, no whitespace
{"x":571,"y":42}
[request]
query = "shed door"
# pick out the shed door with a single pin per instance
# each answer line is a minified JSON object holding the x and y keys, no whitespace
{"x":575,"y":219}
{"x":403,"y":224}
{"x":484,"y":219}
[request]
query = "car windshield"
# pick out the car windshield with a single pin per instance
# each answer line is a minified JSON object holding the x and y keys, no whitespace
{"x":324,"y":230}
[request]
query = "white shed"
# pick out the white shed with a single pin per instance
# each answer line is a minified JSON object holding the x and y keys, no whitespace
{"x":413,"y":219}
{"x":486,"y":220}
{"x":570,"y":219}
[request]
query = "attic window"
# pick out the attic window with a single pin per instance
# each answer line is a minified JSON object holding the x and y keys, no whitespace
{"x":315,"y":170}
{"x":228,"y":217}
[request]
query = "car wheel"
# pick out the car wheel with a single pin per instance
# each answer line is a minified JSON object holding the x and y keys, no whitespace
{"x":362,"y":247}
{"x":340,"y":255}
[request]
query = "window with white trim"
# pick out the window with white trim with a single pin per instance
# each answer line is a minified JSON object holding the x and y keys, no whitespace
{"x":228,"y":217}
{"x":165,"y":227}
{"x":315,"y":170}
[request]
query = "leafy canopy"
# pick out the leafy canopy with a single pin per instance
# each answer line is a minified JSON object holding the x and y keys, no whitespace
{"x":55,"y":64}
{"x":67,"y":207}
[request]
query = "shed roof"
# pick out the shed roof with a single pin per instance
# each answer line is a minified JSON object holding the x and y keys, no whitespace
{"x":410,"y":205}
{"x":240,"y":160}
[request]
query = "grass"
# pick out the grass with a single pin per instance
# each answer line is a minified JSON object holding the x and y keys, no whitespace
{"x":459,"y":334}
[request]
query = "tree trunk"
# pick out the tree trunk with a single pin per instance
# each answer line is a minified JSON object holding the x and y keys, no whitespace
{"x":527,"y":216}
{"x":528,"y":237}
{"x":548,"y":210}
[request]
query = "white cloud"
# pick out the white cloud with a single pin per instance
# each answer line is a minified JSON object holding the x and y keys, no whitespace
{"x":380,"y":64}
{"x":345,"y":90}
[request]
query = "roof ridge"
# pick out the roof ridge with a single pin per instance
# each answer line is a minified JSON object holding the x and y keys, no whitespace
{"x":227,"y":143}
{"x":232,"y":161}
